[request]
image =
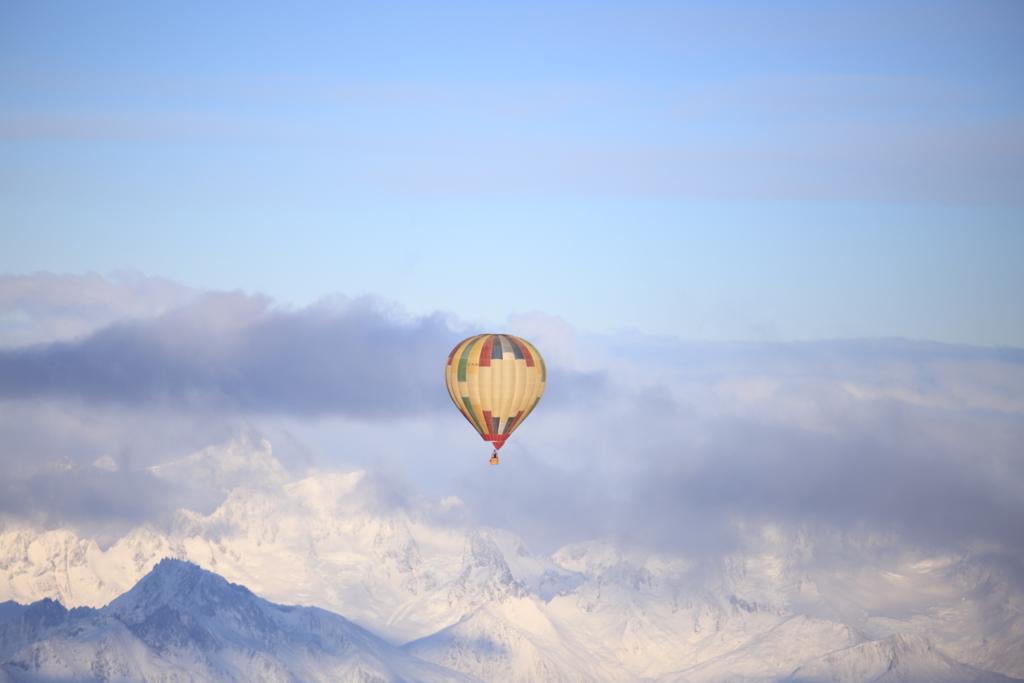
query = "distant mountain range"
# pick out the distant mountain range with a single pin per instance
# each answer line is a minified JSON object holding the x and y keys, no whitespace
{"x":182,"y":623}
{"x":451,"y":601}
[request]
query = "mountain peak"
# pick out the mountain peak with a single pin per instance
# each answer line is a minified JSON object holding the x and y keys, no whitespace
{"x":179,"y":585}
{"x":170,"y":570}
{"x":169,"y":565}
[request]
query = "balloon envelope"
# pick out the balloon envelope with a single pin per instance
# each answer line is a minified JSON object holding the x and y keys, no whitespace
{"x":495,"y":380}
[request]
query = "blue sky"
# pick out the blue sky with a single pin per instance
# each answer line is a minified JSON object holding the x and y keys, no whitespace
{"x":710,"y":171}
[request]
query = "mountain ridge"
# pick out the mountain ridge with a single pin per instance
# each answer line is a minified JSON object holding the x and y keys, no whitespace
{"x":182,"y":622}
{"x":446,"y":588}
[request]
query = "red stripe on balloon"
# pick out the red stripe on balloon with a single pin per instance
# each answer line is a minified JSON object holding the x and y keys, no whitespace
{"x":485,"y":352}
{"x":527,"y":356}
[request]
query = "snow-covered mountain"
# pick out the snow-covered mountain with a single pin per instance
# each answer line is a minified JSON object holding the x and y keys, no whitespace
{"x":325,"y":539}
{"x":182,"y":623}
{"x":897,"y":659}
{"x":516,"y":640}
{"x":477,"y":600}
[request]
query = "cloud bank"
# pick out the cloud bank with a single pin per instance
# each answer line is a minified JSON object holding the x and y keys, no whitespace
{"x":232,"y":351}
{"x":239,"y":353}
{"x":663,"y":443}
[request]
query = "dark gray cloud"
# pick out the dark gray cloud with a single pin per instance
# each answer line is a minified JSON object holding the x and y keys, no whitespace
{"x":880,"y":479}
{"x":233,"y":352}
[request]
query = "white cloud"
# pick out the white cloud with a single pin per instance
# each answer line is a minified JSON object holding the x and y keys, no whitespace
{"x":106,"y":462}
{"x":46,"y":307}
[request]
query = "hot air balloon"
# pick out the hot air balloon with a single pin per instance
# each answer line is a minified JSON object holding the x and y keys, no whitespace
{"x":495,"y":380}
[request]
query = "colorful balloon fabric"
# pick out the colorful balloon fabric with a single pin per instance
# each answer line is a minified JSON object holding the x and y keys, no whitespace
{"x":495,"y":380}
